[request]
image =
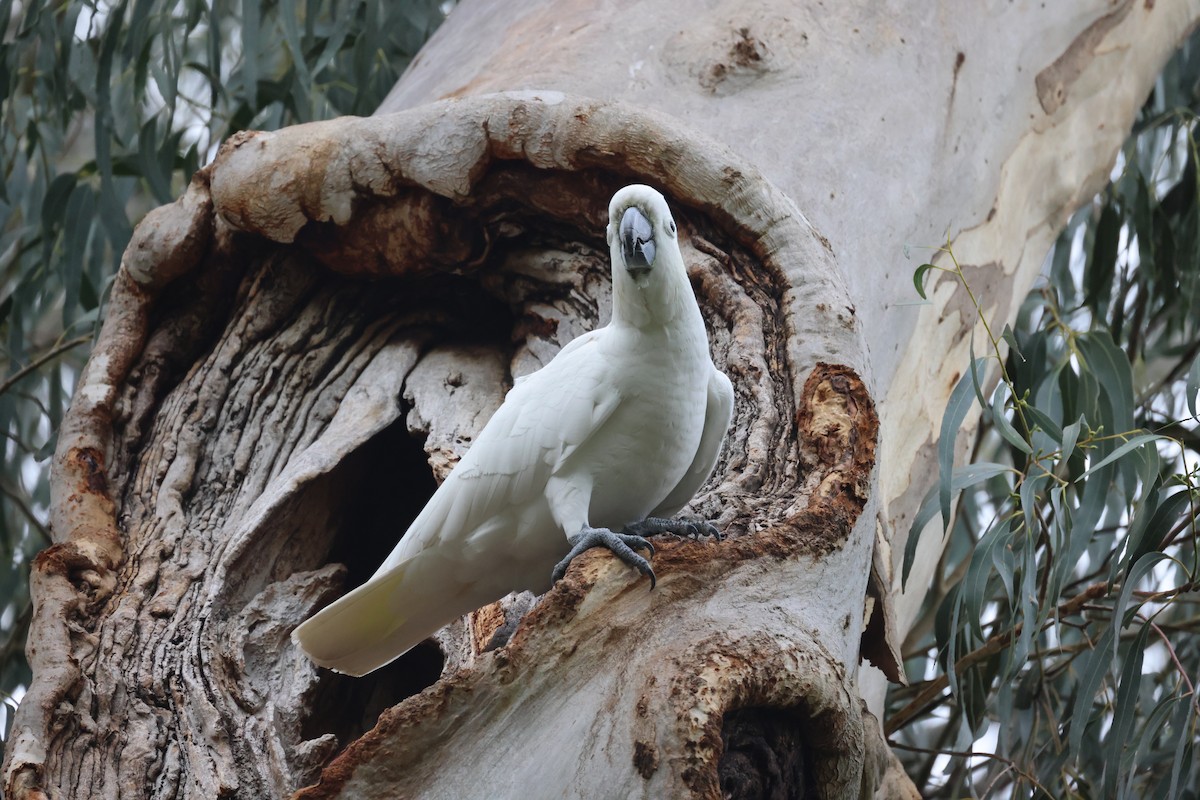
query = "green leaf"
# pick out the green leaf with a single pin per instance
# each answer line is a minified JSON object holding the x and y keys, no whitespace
{"x":1101,"y":267}
{"x":289,"y":17}
{"x":1110,"y":366}
{"x":1005,"y":428}
{"x":89,"y":299}
{"x":956,"y":411}
{"x":1039,"y":418}
{"x":151,"y":170}
{"x":919,"y":279}
{"x":1154,"y":726}
{"x":1193,"y":387}
{"x":1070,"y":436}
{"x":54,"y":204}
{"x":112,"y":211}
{"x":1139,"y":571}
{"x":976,"y":381}
{"x":963,"y":477}
{"x":1136,"y":441}
{"x":1004,"y":563}
{"x":80,"y":212}
{"x":1184,"y":745}
{"x":1093,"y":669}
{"x":251,"y":36}
{"x":1124,"y":711}
{"x":974,"y":594}
{"x":1029,"y":497}
{"x":1151,"y":535}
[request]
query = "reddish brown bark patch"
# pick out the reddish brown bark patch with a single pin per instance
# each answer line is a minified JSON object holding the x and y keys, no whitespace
{"x":839,"y":431}
{"x":645,"y":759}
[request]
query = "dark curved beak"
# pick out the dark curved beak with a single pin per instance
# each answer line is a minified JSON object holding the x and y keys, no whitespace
{"x":637,"y":241}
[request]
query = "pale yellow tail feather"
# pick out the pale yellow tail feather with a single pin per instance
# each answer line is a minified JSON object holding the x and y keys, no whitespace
{"x":387,"y":616}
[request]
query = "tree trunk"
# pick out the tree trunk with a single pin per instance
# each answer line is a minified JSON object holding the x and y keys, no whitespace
{"x":301,"y":345}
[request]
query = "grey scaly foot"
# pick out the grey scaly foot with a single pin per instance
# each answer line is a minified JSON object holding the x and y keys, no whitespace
{"x":621,"y":544}
{"x":687,"y":528}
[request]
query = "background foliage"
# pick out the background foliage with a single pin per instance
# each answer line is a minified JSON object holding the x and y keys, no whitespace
{"x":1061,"y":645}
{"x":106,"y":110}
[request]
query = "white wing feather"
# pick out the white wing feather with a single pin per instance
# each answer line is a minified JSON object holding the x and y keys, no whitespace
{"x":718,"y":413}
{"x":421,"y":586}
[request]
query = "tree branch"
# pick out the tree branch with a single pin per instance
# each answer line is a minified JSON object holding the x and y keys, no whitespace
{"x":49,"y":355}
{"x":990,"y":648}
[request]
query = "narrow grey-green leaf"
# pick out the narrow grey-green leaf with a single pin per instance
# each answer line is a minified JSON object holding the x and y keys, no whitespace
{"x":974,"y":593}
{"x":1193,"y":386}
{"x":79,"y":221}
{"x":1039,"y":418}
{"x":1124,"y":709}
{"x":1029,"y":495}
{"x":54,"y":204}
{"x":251,"y":47}
{"x":1184,"y":744}
{"x":1101,"y":267}
{"x":1005,"y":428}
{"x":963,"y":477}
{"x":1151,"y":536}
{"x":1027,"y":601}
{"x":1136,"y":441}
{"x":1109,"y":364}
{"x":956,"y":411}
{"x":1093,"y":669}
{"x":1155,"y":723}
{"x":976,"y":379}
{"x":1139,"y":571}
{"x":1070,"y":436}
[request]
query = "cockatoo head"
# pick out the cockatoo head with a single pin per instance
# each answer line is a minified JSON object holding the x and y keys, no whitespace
{"x":648,"y":270}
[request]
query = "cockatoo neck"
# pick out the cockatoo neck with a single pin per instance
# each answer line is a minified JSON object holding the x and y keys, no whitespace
{"x":659,"y":298}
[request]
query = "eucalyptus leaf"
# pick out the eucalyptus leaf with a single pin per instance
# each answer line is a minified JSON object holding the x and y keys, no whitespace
{"x":1137,"y":441}
{"x":961,"y":478}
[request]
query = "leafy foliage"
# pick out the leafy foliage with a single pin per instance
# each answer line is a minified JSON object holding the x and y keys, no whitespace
{"x":106,"y":110}
{"x":1060,"y":645}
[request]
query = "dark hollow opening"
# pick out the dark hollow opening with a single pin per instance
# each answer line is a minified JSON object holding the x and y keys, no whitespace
{"x":765,"y":756}
{"x":387,"y":482}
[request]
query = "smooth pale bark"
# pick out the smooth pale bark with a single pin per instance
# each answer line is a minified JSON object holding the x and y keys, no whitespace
{"x":324,"y":294}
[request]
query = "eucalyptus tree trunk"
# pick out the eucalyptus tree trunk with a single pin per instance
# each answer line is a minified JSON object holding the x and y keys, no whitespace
{"x":297,"y":349}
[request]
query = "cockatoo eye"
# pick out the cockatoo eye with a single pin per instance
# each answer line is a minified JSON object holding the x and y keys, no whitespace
{"x":671,"y":226}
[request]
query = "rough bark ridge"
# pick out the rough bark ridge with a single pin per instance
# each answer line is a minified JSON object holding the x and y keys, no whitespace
{"x":282,"y":357}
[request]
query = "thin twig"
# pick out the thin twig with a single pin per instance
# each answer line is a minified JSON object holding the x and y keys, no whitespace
{"x":964,"y":754}
{"x":1182,"y":672}
{"x":19,"y":502}
{"x":991,"y":647}
{"x":49,"y":355}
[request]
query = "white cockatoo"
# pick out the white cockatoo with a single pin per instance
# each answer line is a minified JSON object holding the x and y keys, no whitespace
{"x":607,"y":441}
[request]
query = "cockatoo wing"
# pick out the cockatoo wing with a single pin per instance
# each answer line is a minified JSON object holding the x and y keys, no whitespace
{"x":718,"y":413}
{"x":448,"y":563}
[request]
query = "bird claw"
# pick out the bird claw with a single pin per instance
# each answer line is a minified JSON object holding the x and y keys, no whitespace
{"x":687,"y":528}
{"x":622,"y":546}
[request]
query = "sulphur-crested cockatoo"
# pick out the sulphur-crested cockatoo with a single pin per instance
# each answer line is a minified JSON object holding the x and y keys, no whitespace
{"x":611,"y":437}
